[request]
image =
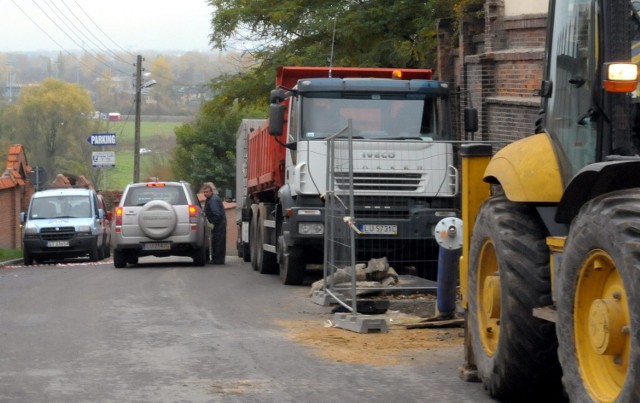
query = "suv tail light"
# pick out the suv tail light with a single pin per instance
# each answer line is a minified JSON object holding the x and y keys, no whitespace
{"x":118,"y":218}
{"x":193,"y":217}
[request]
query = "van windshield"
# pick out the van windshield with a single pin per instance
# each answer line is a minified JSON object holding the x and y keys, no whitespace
{"x":60,"y":207}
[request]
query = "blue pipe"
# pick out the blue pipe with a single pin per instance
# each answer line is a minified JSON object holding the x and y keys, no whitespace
{"x":448,"y":267}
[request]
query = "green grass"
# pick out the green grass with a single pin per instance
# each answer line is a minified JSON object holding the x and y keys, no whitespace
{"x":157,"y":136}
{"x":9,"y":254}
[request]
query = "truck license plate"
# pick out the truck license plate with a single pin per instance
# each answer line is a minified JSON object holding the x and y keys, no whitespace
{"x":156,"y":246}
{"x":57,"y":244}
{"x":379,"y":229}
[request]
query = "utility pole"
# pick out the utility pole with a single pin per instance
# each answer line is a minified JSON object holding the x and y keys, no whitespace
{"x":136,"y":141}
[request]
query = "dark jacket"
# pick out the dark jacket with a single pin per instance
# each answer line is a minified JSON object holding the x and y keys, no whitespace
{"x":214,"y":210}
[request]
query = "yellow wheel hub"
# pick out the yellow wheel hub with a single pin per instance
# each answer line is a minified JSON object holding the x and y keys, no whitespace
{"x":488,"y":298}
{"x":601,"y":324}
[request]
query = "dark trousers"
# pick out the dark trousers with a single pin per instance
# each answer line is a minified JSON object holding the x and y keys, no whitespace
{"x":218,"y":243}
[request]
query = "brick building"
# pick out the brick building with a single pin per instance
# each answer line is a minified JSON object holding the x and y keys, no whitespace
{"x":15,"y":192}
{"x":494,"y":56}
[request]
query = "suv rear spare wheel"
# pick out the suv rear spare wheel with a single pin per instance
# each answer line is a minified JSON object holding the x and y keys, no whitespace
{"x":157,"y":219}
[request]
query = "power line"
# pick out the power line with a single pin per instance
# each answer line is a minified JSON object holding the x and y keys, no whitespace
{"x":99,"y":29}
{"x":66,"y":34}
{"x":83,"y":32}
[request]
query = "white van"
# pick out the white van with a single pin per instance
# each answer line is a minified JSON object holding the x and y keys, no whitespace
{"x":64,"y":223}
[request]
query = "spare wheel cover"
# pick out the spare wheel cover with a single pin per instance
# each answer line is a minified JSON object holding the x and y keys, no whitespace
{"x":157,"y":219}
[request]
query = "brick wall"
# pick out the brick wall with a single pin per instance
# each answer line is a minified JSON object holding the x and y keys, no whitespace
{"x":497,"y":65}
{"x":10,"y":236}
{"x":15,"y":193}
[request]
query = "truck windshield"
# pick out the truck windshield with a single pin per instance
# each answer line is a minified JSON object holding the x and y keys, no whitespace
{"x":60,"y":207}
{"x":376,"y":117}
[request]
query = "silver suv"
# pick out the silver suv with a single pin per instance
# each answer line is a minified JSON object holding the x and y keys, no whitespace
{"x":159,"y":219}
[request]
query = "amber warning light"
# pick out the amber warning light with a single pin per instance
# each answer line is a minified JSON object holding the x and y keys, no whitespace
{"x":620,"y":77}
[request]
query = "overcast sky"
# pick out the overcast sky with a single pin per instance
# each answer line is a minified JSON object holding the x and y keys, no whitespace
{"x":132,"y":25}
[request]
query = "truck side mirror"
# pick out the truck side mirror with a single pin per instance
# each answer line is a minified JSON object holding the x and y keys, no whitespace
{"x":278,"y":95}
{"x":470,"y":120}
{"x":276,"y":119}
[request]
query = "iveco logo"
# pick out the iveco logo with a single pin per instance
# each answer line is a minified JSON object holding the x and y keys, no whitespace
{"x":370,"y":154}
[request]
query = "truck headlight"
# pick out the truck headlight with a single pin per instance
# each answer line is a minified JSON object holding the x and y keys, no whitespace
{"x":310,"y":228}
{"x":84,"y":228}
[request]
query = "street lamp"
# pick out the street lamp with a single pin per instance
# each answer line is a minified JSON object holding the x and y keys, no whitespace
{"x":136,"y":141}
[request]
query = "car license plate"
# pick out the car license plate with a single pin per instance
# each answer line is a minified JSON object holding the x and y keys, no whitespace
{"x":57,"y":244}
{"x":156,"y":246}
{"x":379,"y":229}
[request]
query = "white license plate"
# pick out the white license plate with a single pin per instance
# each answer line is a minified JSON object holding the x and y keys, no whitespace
{"x":57,"y":244}
{"x":379,"y":229}
{"x":156,"y":246}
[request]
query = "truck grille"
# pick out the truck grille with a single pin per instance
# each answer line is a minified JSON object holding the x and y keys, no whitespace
{"x":380,"y":181}
{"x":57,"y":233}
{"x":378,"y":207}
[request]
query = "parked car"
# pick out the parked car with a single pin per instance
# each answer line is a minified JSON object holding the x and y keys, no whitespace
{"x":159,"y":219}
{"x":64,"y":223}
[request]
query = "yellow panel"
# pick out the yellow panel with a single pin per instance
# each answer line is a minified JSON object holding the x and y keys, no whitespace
{"x":474,"y":192}
{"x":527,"y":170}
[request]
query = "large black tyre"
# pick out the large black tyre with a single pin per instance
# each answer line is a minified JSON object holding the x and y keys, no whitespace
{"x":246,"y":252}
{"x":267,"y":261}
{"x":119,"y":259}
{"x":292,"y":263}
{"x":253,"y":236}
{"x":599,"y":303}
{"x":515,"y":352}
{"x":94,"y":251}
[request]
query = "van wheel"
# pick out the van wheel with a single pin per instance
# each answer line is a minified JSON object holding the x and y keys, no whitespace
{"x":27,"y":259}
{"x":119,"y":259}
{"x":94,"y":254}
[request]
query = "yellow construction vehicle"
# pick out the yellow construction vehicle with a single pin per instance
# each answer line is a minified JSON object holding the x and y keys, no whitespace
{"x":550,"y":268}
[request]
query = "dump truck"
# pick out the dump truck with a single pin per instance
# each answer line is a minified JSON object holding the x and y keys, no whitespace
{"x":550,"y":267}
{"x":405,"y":177}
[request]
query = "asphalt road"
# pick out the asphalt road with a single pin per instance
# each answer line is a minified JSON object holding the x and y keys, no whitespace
{"x":169,"y":332}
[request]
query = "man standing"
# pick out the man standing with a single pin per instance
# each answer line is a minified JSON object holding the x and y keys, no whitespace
{"x":214,"y":210}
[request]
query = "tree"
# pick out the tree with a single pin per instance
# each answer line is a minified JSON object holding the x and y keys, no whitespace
{"x":206,"y":148}
{"x":53,"y":121}
{"x":384,"y":33}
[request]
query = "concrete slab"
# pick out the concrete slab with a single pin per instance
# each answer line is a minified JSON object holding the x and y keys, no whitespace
{"x":360,"y":323}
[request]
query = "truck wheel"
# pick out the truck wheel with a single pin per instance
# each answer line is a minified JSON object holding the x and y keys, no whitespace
{"x":246,"y":252}
{"x":599,"y":305}
{"x":119,"y":259}
{"x":292,"y":264}
{"x":515,"y":352}
{"x":253,"y":237}
{"x":268,"y":263}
